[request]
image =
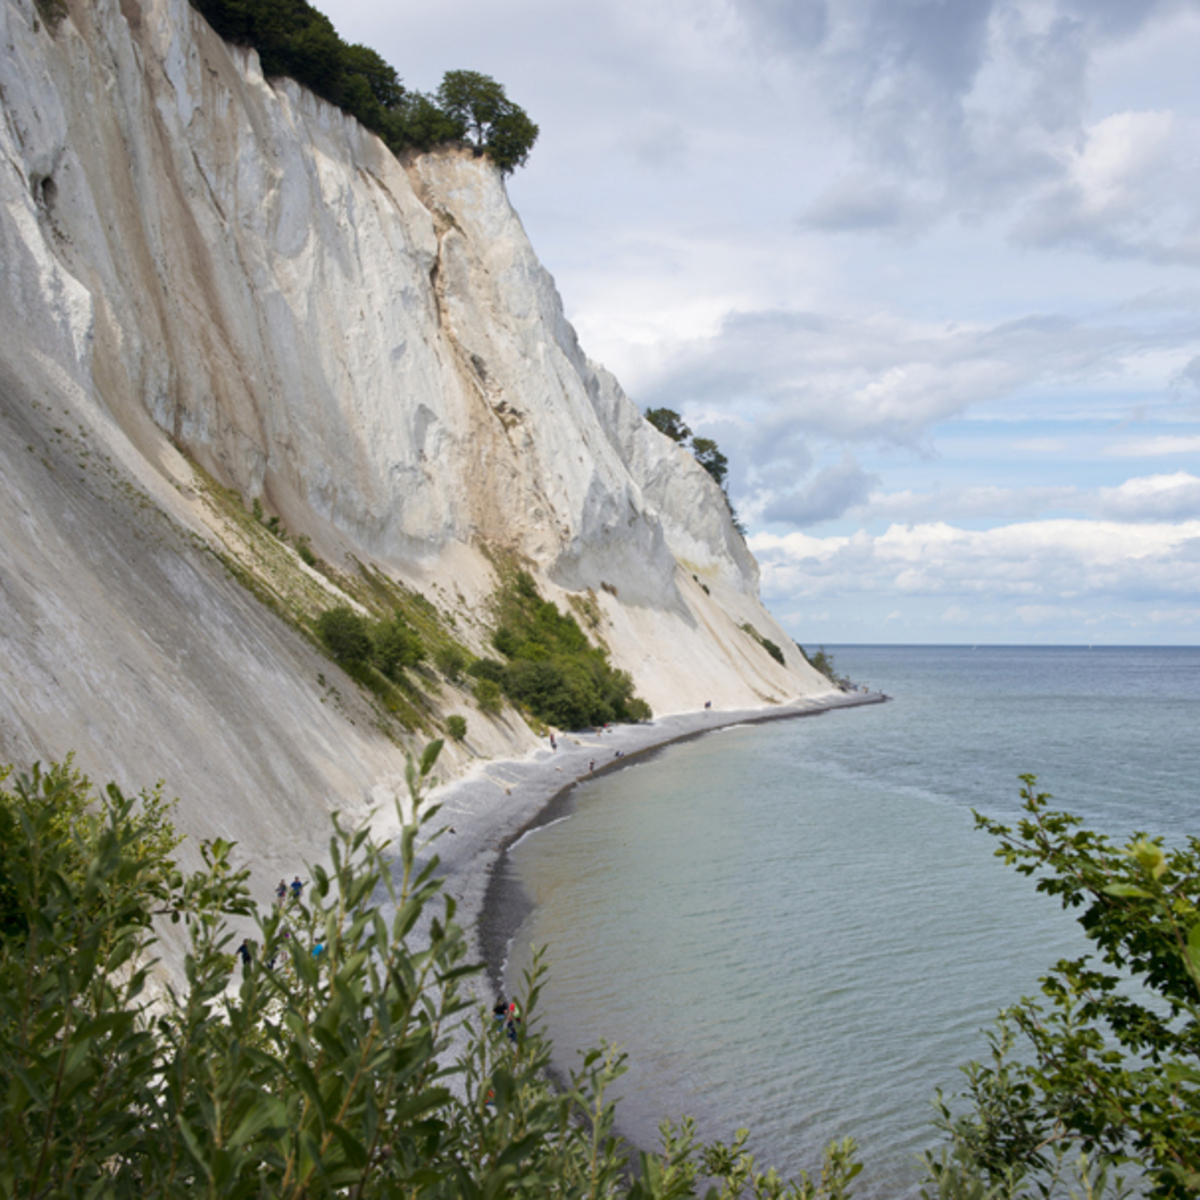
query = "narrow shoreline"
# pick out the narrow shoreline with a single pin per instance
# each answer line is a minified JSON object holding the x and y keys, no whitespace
{"x":484,"y":813}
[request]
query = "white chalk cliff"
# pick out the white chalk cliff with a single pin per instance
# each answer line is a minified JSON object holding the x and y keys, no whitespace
{"x":201,"y":266}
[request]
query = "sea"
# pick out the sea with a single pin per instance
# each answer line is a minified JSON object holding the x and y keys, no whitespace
{"x":796,"y":927}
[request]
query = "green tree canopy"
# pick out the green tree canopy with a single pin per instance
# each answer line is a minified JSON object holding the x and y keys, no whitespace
{"x":490,"y":121}
{"x":346,"y":634}
{"x":293,"y":39}
{"x":552,"y":668}
{"x":709,"y":456}
{"x":668,"y":421}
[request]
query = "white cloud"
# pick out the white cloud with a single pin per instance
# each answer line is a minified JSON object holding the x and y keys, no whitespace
{"x":967,"y":503}
{"x":771,"y":385}
{"x":1153,"y":498}
{"x":1030,"y":563}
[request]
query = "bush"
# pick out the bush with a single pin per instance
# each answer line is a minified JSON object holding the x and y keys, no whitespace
{"x":346,"y":634}
{"x":396,"y":646}
{"x":320,"y":1075}
{"x":487,"y":696}
{"x":766,"y":643}
{"x":456,"y":727}
{"x":553,"y":670}
{"x":451,"y":661}
{"x":822,"y":661}
{"x":773,"y":650}
{"x":489,"y":668}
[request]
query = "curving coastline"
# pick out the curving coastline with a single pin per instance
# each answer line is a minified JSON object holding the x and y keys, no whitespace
{"x":486,"y":811}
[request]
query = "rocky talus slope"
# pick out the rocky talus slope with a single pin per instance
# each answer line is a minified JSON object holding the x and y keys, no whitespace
{"x":217,"y":289}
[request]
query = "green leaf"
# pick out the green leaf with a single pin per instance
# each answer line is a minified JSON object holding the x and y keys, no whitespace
{"x":1127,"y":890}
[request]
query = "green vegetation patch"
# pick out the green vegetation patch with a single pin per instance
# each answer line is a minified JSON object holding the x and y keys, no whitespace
{"x":294,"y":40}
{"x":769,"y":646}
{"x":549,"y":667}
{"x":822,"y":661}
{"x":384,"y":650}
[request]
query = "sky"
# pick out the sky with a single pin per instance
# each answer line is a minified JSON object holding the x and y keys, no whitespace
{"x":928,"y":271}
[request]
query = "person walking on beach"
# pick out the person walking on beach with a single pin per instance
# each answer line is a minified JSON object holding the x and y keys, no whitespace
{"x":592,"y":765}
{"x":281,"y":892}
{"x":244,"y":953}
{"x":297,"y":888}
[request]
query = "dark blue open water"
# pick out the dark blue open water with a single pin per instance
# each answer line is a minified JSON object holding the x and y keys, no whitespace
{"x":795,"y":926}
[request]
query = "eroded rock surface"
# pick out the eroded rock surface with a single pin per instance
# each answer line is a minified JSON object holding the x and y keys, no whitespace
{"x":201,"y":266}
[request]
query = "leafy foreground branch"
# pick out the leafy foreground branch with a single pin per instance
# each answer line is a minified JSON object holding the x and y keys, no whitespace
{"x":1106,"y":1063}
{"x":324,"y":1071}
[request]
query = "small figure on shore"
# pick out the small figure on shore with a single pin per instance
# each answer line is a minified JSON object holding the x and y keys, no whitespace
{"x":506,"y":1017}
{"x":592,"y":765}
{"x":244,"y":953}
{"x":281,"y":892}
{"x":708,"y":704}
{"x":297,"y":888}
{"x":514,"y":1019}
{"x":553,"y":743}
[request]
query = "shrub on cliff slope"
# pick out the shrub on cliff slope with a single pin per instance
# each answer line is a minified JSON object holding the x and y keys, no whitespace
{"x":552,"y":668}
{"x":389,"y":645}
{"x":346,"y":634}
{"x":314,"y":1069}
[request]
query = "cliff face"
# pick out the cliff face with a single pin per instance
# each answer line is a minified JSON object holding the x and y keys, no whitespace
{"x":203,"y":267}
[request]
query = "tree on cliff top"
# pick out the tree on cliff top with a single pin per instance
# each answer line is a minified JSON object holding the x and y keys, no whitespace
{"x":709,"y":456}
{"x":491,"y":122}
{"x":294,"y":40}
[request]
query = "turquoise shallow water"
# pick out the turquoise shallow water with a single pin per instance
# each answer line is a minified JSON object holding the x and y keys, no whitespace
{"x":795,"y":926}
